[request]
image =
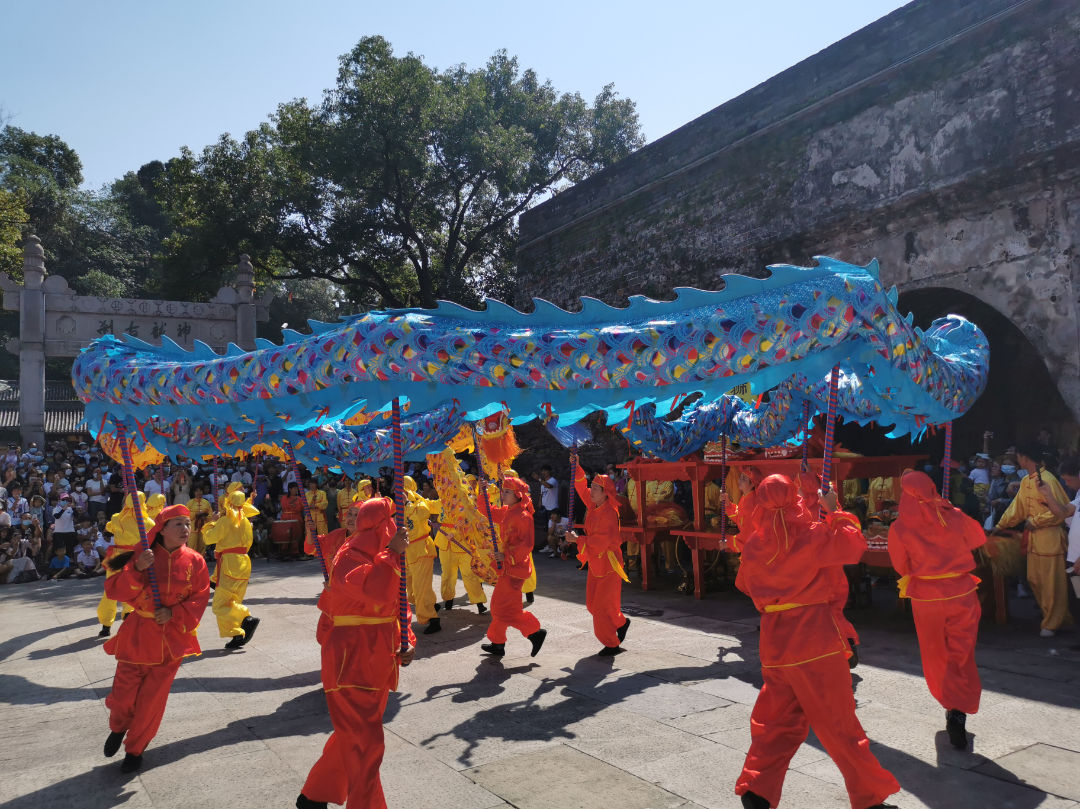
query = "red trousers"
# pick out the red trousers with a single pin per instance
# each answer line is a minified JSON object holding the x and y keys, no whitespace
{"x":947,"y":631}
{"x":137,"y":702}
{"x":603,"y":598}
{"x":347,"y":772}
{"x":795,"y":698}
{"x":506,"y":610}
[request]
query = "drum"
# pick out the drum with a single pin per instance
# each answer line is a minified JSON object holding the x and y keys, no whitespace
{"x":285,"y":535}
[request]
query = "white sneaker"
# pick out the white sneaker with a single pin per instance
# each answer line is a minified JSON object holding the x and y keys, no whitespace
{"x":1046,"y":633}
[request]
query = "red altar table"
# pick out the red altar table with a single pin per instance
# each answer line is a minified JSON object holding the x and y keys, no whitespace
{"x":698,"y":472}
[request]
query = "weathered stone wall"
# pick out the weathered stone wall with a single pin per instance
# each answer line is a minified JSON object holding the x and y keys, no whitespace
{"x":943,"y":139}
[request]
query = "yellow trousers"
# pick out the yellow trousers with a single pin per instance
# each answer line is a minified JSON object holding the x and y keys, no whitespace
{"x":1046,"y":574}
{"x":419,"y":579}
{"x":530,"y":583}
{"x":106,"y":610}
{"x":452,"y":563}
{"x":228,"y":606}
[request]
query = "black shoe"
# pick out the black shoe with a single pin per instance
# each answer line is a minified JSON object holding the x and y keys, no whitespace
{"x":529,"y":598}
{"x":249,"y":625}
{"x":130,"y":763}
{"x":304,"y":802}
{"x":537,"y":640}
{"x":610,"y":651}
{"x":494,"y":649}
{"x":853,"y":661}
{"x":448,"y":604}
{"x":883,"y":806}
{"x":105,"y":632}
{"x":481,"y":609}
{"x":112,"y":743}
{"x":438,"y":606}
{"x":433,"y":626}
{"x":955,"y":724}
{"x":621,"y":631}
{"x":751,"y":800}
{"x":235,"y":642}
{"x":213,"y":584}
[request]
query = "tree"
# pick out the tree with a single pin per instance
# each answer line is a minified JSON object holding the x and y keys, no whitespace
{"x":403,"y":186}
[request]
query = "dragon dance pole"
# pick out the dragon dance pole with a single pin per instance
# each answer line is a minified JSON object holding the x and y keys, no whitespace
{"x":217,"y":487}
{"x":484,"y":495}
{"x":573,"y":484}
{"x":723,"y":489}
{"x":946,"y":462}
{"x":830,"y":428}
{"x":399,"y":501}
{"x":133,"y":493}
{"x":309,"y":521}
{"x":806,"y":435}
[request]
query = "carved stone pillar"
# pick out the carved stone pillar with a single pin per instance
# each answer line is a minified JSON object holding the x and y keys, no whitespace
{"x":245,"y":303}
{"x":32,"y":345}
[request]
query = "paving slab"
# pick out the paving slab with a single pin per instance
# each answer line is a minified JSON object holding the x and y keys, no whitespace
{"x":570,"y":779}
{"x":1053,"y":770}
{"x":665,"y":724}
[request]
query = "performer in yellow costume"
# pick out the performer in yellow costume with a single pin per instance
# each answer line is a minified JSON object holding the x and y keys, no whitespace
{"x":201,"y":510}
{"x":125,"y":532}
{"x":1043,"y":526}
{"x":318,"y":504}
{"x":420,"y":556}
{"x":346,"y":491}
{"x":231,"y":536}
{"x":656,"y":491}
{"x":463,"y":524}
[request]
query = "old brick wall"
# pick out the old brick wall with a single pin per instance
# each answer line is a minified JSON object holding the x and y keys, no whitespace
{"x":943,"y":140}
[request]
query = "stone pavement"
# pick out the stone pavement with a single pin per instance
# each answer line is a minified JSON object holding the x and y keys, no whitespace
{"x":663,"y":726}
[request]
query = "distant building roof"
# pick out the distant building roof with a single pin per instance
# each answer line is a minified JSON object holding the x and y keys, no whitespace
{"x":63,"y":410}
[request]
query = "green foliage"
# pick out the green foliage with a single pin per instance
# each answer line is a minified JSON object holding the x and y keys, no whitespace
{"x":403,"y":186}
{"x":13,"y":217}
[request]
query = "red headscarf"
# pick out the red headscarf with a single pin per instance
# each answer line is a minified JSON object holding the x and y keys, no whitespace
{"x":166,"y":514}
{"x":921,"y":507}
{"x":521,"y":489}
{"x":374,"y":526}
{"x":778,"y":513}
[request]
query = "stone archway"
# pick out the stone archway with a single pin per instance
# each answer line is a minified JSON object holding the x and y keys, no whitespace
{"x":1022,"y":396}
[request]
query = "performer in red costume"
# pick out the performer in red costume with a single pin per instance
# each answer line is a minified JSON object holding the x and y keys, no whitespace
{"x":809,"y":486}
{"x":360,"y":658}
{"x":329,"y":543}
{"x":152,"y":642}
{"x":785,"y":561}
{"x":601,"y":551}
{"x":930,"y":546}
{"x":515,"y":521}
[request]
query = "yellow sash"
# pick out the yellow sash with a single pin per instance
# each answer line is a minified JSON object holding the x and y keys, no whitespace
{"x":616,"y":566}
{"x":786,"y":607}
{"x":904,"y":581}
{"x":362,"y":620}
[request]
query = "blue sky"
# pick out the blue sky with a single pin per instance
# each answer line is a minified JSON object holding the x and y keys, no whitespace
{"x":125,"y":82}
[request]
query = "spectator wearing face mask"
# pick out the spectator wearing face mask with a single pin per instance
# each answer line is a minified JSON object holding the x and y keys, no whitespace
{"x":97,"y":493}
{"x":17,"y":504}
{"x":64,"y":524}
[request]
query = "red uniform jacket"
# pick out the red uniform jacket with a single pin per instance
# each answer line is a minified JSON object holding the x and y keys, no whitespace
{"x":360,"y":649}
{"x":601,"y":531}
{"x":790,"y":582}
{"x":184,"y":584}
{"x":931,"y":542}
{"x":518,"y":538}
